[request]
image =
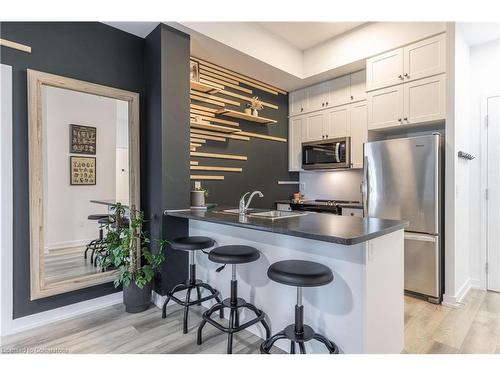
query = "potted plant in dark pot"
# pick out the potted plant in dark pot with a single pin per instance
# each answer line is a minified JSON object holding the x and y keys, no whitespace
{"x":128,"y":252}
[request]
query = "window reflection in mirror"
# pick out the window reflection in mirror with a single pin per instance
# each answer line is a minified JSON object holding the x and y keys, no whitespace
{"x":86,"y":171}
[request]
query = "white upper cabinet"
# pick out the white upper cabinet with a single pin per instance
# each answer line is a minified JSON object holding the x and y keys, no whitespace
{"x":297,"y":102}
{"x":425,"y":58}
{"x":338,"y":91}
{"x":313,"y":128}
{"x":337,"y":122}
{"x":358,"y":132}
{"x":316,"y":97}
{"x":385,"y":107}
{"x":295,"y":125}
{"x":384,"y":70}
{"x":424,"y":100}
{"x":358,"y":86}
{"x":415,"y":61}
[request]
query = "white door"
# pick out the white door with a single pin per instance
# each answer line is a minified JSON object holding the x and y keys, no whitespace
{"x":359,"y":133}
{"x":339,"y":91}
{"x":493,"y":203}
{"x":424,"y":100}
{"x":296,"y":102}
{"x":315,"y":97}
{"x":358,"y":86}
{"x":337,"y":122}
{"x":385,"y":108}
{"x":425,"y":58}
{"x":312,"y":130}
{"x":295,"y":143}
{"x":384,"y":70}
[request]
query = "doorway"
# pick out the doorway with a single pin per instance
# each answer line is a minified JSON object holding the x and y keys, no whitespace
{"x":493,"y":193}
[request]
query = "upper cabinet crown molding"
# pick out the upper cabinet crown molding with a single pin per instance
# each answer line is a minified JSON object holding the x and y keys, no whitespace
{"x":415,"y":61}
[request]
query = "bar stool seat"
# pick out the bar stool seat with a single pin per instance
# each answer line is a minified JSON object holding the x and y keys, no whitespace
{"x":233,"y":254}
{"x":191,"y":244}
{"x":299,"y":273}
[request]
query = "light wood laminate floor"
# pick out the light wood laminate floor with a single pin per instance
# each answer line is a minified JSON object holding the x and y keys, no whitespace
{"x":472,"y":328}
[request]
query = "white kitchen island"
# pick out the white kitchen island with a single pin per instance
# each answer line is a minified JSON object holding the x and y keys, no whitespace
{"x":362,"y":310}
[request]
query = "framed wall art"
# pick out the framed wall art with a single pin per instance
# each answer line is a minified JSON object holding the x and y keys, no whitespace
{"x":82,"y":170}
{"x":83,"y":139}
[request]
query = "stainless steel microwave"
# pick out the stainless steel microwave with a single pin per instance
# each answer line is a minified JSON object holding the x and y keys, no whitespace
{"x":327,"y":154}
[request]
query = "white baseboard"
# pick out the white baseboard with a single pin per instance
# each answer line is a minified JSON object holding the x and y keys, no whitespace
{"x":65,"y":312}
{"x":456,"y":300}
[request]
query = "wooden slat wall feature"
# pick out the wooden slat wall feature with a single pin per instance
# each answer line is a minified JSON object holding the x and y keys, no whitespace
{"x":211,"y":168}
{"x":199,"y":86}
{"x":263,"y":136}
{"x":210,"y":72}
{"x":218,"y":156}
{"x":223,"y":129}
{"x":205,"y":133}
{"x":208,"y":96}
{"x":201,"y":113}
{"x":242,"y":78}
{"x":216,"y":80}
{"x":220,"y":121}
{"x":202,"y":108}
{"x":15,"y":45}
{"x":205,"y":100}
{"x":198,"y":140}
{"x":194,"y":144}
{"x":244,"y":116}
{"x":245,"y":98}
{"x":193,"y":162}
{"x":209,"y":137}
{"x":207,"y":177}
{"x":214,"y":84}
{"x":192,"y":148}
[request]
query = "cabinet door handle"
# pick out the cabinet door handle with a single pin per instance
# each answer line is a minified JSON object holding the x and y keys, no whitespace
{"x":326,"y":136}
{"x":400,"y":76}
{"x":326,"y":103}
{"x":301,"y":109}
{"x":322,"y":104}
{"x":322,"y":137}
{"x":399,"y":120}
{"x":407,"y":75}
{"x":352,"y":97}
{"x":406,"y":119}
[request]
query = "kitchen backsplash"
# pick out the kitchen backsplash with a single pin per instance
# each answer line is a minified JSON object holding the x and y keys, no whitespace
{"x":342,"y":185}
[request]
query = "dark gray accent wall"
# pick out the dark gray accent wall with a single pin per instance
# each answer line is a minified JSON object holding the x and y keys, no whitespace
{"x":165,"y":141}
{"x":91,"y":52}
{"x":267,"y":160}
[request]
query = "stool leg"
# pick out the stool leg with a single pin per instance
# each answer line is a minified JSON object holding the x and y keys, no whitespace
{"x":198,"y":295}
{"x":186,"y":310}
{"x":232,"y":318}
{"x":263,"y":321}
{"x":236,"y":318}
{"x":175,"y":289}
{"x":207,"y":314}
{"x":267,"y":344}
{"x":292,"y":347}
{"x":332,"y":348}
{"x":302,"y":348}
{"x":217,"y":298}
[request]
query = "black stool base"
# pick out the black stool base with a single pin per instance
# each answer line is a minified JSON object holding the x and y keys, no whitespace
{"x":234,"y":320}
{"x":298,"y":338}
{"x":190,"y":286}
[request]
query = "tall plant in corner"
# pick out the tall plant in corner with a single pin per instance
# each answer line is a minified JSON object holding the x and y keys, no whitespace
{"x":127,"y":250}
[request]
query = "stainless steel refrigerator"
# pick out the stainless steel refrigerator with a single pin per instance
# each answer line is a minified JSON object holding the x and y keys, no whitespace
{"x":403,"y":180}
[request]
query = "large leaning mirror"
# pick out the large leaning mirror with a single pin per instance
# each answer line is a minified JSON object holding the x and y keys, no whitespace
{"x":83,"y":159}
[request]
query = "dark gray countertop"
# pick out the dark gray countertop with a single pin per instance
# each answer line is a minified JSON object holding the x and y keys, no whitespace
{"x":345,"y":230}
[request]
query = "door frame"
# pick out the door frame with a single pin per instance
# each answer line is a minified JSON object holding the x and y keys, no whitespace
{"x":483,"y":281}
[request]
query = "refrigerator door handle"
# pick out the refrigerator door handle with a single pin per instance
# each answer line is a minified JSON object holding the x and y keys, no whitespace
{"x":420,"y":237}
{"x":365,"y":187}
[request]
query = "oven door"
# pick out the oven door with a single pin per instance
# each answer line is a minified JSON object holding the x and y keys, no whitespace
{"x":327,"y":154}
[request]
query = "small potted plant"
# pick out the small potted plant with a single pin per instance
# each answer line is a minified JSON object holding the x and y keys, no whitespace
{"x":248,"y":109}
{"x":256,"y":105}
{"x":128,"y":252}
{"x":198,"y":195}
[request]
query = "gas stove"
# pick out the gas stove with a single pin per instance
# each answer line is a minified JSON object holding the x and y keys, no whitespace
{"x":322,"y":205}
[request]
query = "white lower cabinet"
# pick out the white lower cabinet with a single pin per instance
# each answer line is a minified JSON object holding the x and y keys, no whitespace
{"x":295,"y":125}
{"x":410,"y":103}
{"x":358,"y":132}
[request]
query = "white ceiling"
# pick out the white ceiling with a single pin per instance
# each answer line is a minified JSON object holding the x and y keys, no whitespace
{"x":478,"y":33}
{"x":304,"y":35}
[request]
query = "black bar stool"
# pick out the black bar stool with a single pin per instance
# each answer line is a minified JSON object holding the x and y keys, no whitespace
{"x":191,"y":244}
{"x":299,"y":273}
{"x":233,"y":254}
{"x":92,"y":245}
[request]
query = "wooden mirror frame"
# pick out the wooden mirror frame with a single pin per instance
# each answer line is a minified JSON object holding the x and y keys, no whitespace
{"x":36,"y":79}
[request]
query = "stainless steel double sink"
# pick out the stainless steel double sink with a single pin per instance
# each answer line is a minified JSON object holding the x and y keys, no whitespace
{"x":270,"y":215}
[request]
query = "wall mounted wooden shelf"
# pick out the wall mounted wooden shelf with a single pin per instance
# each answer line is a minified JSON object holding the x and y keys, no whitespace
{"x":211,"y":168}
{"x":198,"y":86}
{"x":218,"y":128}
{"x":262,"y":136}
{"x":203,"y":177}
{"x":244,"y":116}
{"x":218,"y":156}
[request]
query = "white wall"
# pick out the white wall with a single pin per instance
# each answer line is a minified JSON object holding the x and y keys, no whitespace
{"x":341,"y":185}
{"x":485,"y":80}
{"x":66,"y":206}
